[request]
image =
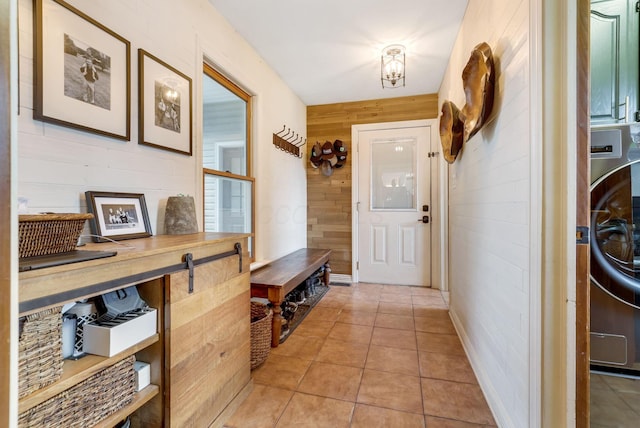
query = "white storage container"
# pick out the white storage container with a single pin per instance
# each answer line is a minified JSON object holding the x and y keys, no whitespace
{"x":107,"y":338}
{"x":143,"y":374}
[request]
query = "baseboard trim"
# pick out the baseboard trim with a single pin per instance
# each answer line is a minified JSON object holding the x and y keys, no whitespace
{"x":499,"y":412}
{"x":338,"y":277}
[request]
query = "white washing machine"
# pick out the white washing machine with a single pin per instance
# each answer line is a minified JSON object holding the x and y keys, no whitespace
{"x":615,"y":249}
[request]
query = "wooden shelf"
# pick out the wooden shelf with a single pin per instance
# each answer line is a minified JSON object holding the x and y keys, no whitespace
{"x":75,"y":371}
{"x":140,"y":399}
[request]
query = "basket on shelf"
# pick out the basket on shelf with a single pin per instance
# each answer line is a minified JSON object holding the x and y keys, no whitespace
{"x":43,"y":234}
{"x":88,"y":402}
{"x":261,"y":316}
{"x":39,"y":350}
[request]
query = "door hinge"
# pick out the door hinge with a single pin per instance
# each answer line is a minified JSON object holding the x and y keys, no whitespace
{"x":582,"y":235}
{"x":357,"y":265}
{"x":638,"y":6}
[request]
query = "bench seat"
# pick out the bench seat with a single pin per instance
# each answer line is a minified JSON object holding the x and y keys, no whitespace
{"x":275,"y":280}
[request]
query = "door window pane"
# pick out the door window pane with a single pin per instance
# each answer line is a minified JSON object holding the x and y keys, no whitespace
{"x":393,"y":166}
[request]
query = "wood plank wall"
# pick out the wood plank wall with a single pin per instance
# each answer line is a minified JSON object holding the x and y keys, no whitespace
{"x":329,"y":198}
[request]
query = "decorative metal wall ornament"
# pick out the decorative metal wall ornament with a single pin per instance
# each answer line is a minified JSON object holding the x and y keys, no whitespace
{"x":478,"y":81}
{"x":392,"y":66}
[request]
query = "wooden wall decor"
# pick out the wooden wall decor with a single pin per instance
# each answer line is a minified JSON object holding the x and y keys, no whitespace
{"x":329,"y":198}
{"x":290,"y":142}
{"x":451,"y":130}
{"x":478,"y":81}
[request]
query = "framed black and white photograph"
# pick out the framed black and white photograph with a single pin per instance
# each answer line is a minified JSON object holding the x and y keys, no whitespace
{"x":118,"y":216}
{"x":82,"y":72}
{"x":165,"y":105}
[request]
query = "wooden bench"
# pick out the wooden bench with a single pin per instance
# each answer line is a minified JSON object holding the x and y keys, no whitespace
{"x":279,"y":277}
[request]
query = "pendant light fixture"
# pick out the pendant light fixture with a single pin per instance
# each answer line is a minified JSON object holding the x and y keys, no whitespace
{"x":392,"y":70}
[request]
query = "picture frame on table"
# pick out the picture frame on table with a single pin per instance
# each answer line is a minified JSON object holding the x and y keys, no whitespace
{"x":164,"y":110}
{"x":81,"y":72}
{"x":118,"y":216}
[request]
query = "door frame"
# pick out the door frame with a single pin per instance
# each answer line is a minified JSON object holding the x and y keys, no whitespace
{"x":438,"y":198}
{"x":583,"y":206}
{"x":8,"y":213}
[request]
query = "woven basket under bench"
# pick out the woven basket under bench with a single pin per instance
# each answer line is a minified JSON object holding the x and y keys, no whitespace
{"x":88,"y":402}
{"x":261,"y":316}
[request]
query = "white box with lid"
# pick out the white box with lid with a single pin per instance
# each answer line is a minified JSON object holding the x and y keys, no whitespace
{"x":108,"y":338}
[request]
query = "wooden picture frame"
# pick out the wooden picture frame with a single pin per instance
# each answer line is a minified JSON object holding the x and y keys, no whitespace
{"x":118,"y":216}
{"x":164,"y":111}
{"x":81,"y":72}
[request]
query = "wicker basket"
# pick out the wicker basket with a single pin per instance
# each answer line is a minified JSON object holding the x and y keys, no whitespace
{"x":261,"y":317}
{"x":40,"y":350}
{"x":88,"y":402}
{"x":42,"y":234}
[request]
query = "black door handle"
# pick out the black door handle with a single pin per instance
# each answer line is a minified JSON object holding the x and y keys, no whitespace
{"x":424,"y":219}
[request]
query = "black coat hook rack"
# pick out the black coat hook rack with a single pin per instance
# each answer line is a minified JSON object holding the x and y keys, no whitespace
{"x":289,"y":142}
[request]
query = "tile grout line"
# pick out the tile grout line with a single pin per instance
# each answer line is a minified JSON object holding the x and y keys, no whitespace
{"x":364,"y":367}
{"x":415,"y":335}
{"x":323,"y":341}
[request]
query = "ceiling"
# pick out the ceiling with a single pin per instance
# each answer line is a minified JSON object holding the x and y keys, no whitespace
{"x":328,"y":51}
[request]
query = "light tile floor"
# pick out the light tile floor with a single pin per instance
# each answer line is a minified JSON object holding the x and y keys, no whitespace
{"x":615,"y":401}
{"x":371,"y":356}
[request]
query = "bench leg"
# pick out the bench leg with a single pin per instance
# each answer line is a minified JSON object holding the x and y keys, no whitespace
{"x":327,"y":272}
{"x":276,"y":324}
{"x":276,"y":297}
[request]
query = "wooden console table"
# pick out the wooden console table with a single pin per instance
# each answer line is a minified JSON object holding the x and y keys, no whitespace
{"x":278,"y":278}
{"x":200,"y":356}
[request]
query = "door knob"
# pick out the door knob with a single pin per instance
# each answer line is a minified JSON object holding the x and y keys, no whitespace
{"x":424,"y":219}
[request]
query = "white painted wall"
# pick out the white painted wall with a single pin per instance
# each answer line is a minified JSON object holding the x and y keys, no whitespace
{"x":56,"y":165}
{"x":489,"y":212}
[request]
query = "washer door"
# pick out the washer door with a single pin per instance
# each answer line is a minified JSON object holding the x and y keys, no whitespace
{"x":615,"y":234}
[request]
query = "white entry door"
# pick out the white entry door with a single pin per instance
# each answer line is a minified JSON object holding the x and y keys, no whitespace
{"x":393,"y":205}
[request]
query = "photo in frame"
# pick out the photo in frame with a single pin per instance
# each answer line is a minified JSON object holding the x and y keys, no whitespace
{"x":118,"y":216}
{"x":164,"y":105}
{"x":81,"y":72}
